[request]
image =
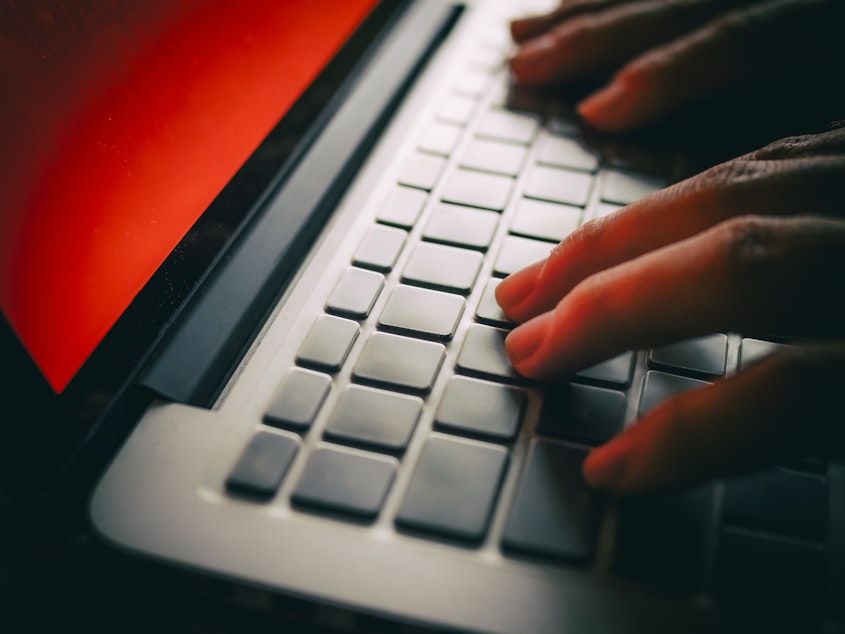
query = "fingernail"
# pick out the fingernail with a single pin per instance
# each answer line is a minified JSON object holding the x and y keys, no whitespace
{"x":601,"y":109}
{"x":523,"y":343}
{"x":513,"y":291}
{"x":605,"y":466}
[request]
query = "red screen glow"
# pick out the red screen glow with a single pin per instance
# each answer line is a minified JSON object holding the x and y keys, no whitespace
{"x":121,"y":120}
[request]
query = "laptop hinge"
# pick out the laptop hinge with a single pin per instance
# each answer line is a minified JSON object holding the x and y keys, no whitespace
{"x":211,"y":336}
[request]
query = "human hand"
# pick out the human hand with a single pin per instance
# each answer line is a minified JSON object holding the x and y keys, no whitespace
{"x":666,"y":54}
{"x":755,"y":245}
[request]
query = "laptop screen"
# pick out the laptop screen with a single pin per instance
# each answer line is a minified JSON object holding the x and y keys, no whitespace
{"x":122,"y":121}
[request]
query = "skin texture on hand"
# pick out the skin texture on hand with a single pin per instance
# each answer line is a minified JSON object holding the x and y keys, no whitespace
{"x":755,"y":245}
{"x":662,"y":55}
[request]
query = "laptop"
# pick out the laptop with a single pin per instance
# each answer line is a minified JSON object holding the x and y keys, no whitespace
{"x":247,"y":289}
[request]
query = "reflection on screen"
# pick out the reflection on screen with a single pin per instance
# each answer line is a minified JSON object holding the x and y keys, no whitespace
{"x":121,"y":121}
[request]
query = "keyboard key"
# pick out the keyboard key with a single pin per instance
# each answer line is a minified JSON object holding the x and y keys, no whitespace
{"x":346,"y":481}
{"x":298,"y":399}
{"x":753,"y":350}
{"x":583,"y":413}
{"x":545,"y":221}
{"x":461,"y":226}
{"x":615,"y":372}
{"x":456,"y":109}
{"x":402,"y":207}
{"x":472,"y":83}
{"x":440,"y":138}
{"x":380,"y":248}
{"x":702,"y":356}
{"x":516,"y":253}
{"x":488,"y":310}
{"x":665,"y":541}
{"x":554,"y":513}
{"x":505,"y":125}
{"x":772,"y":576}
{"x":443,"y":268}
{"x":624,"y":186}
{"x":355,"y":293}
{"x":262,"y":464}
{"x":421,"y":171}
{"x":483,"y":355}
{"x":558,"y":186}
{"x":493,"y":156}
{"x":474,"y":189}
{"x":777,"y":500}
{"x":470,"y":406}
{"x":422,"y":312}
{"x":560,"y":151}
{"x":328,"y":343}
{"x":454,"y":488}
{"x":394,"y":361}
{"x":659,"y":386}
{"x":374,"y":418}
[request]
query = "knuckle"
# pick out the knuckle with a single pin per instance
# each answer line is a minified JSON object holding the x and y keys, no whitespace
{"x":746,"y":248}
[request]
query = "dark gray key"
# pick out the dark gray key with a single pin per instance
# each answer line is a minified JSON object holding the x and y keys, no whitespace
{"x":328,"y":343}
{"x":558,"y":186}
{"x":777,"y":500}
{"x":773,"y":576}
{"x":658,"y":386}
{"x":624,"y":186}
{"x":470,"y":406}
{"x":560,"y":151}
{"x":355,"y":293}
{"x":462,"y":226}
{"x":402,"y":207}
{"x":421,"y":171}
{"x":298,"y":399}
{"x":440,"y":138}
{"x":554,"y":513}
{"x":616,"y":371}
{"x":483,"y":355}
{"x":584,"y":413}
{"x":421,"y":312}
{"x":345,"y":481}
{"x":395,"y":361}
{"x":516,"y":253}
{"x":665,"y":541}
{"x":702,"y":356}
{"x":488,"y":310}
{"x":493,"y":156}
{"x":508,"y":126}
{"x":456,"y":109}
{"x":454,"y":488}
{"x":380,"y":248}
{"x":752,"y":350}
{"x":442,"y":268}
{"x":475,"y":189}
{"x":544,"y":220}
{"x":374,"y":418}
{"x":262,"y":464}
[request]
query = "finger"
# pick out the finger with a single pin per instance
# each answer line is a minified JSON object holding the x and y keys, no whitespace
{"x":740,"y":46}
{"x":830,"y":143}
{"x":779,"y":406}
{"x":598,"y":41}
{"x":523,"y":29}
{"x":749,"y":274}
{"x":791,"y":186}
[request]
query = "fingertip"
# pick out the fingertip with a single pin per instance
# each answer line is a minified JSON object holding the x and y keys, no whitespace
{"x":608,"y":108}
{"x":524,"y":342}
{"x":530,"y":63}
{"x":605,"y":467}
{"x":512,"y":292}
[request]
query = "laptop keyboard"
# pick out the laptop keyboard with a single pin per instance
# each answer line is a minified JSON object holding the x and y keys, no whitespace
{"x":409,"y":353}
